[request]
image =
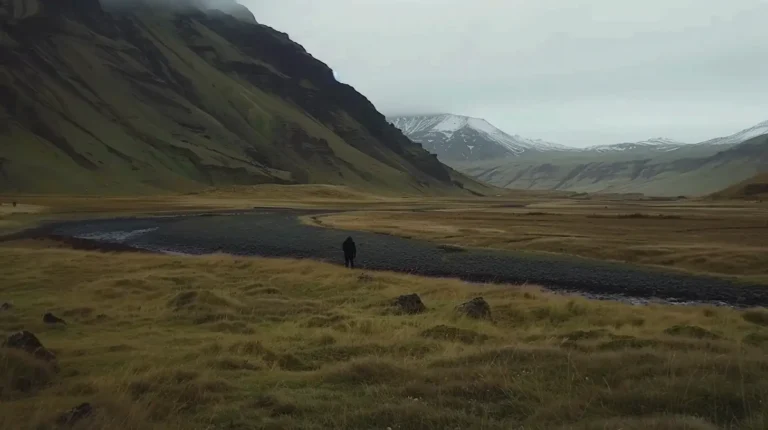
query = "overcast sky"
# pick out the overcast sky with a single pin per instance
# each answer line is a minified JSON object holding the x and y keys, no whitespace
{"x":576,"y":72}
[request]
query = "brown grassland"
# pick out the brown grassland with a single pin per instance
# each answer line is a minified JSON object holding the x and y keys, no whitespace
{"x":228,"y":343}
{"x":218,"y":342}
{"x":722,"y":238}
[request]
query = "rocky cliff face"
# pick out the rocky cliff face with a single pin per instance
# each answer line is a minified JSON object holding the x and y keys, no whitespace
{"x":141,"y":96}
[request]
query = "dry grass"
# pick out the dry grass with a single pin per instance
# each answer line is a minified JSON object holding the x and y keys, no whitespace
{"x":229,"y":343}
{"x":724,"y":239}
{"x":35,"y":209}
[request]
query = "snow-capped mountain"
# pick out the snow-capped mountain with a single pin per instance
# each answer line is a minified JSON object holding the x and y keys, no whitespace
{"x":463,"y":138}
{"x":657,"y":144}
{"x":661,"y":144}
{"x":742,"y":136}
{"x":458,"y":138}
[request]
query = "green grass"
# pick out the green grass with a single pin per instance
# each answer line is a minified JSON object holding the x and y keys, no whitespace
{"x":232,"y":343}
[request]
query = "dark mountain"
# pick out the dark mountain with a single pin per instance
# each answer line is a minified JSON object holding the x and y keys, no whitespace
{"x":141,"y":96}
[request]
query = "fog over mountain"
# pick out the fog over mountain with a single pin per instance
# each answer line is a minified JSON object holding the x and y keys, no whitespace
{"x":575,"y":72}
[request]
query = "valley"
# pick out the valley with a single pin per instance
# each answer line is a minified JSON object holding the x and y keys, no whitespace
{"x":177,"y":178}
{"x":214,"y":341}
{"x":655,"y":167}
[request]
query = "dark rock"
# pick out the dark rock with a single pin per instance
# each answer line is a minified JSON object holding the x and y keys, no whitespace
{"x":409,"y":304}
{"x":28,"y":342}
{"x":476,"y":308}
{"x":50,"y":318}
{"x":6,"y":307}
{"x":75,"y":414}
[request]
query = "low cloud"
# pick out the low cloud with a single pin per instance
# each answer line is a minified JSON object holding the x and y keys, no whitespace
{"x":577,"y":72}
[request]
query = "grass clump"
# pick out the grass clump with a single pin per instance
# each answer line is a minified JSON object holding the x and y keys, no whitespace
{"x":756,"y":316}
{"x":22,"y":374}
{"x":691,"y":331}
{"x":454,"y":334}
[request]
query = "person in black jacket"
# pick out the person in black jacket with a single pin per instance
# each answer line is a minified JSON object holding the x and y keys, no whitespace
{"x":350,"y":252}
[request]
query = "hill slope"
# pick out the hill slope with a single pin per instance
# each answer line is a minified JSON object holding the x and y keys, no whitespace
{"x":126,"y":98}
{"x":754,"y":188}
{"x":691,"y":170}
{"x":462,"y":138}
{"x":742,"y":136}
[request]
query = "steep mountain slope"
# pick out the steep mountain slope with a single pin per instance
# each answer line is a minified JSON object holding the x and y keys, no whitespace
{"x":462,"y":138}
{"x":143,"y":96}
{"x":692,"y":170}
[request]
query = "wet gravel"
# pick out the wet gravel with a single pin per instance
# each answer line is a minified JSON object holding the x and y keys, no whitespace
{"x":278,"y":233}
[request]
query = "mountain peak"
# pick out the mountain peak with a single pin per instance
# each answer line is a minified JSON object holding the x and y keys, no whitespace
{"x":466,"y":138}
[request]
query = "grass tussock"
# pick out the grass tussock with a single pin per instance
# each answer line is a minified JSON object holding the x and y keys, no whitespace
{"x":162,"y":342}
{"x":756,"y":316}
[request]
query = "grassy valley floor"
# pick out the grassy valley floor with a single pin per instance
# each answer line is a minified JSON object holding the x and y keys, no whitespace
{"x":218,"y":342}
{"x":227,"y":343}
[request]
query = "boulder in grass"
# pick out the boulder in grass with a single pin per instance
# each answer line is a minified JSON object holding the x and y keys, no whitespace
{"x":50,"y":318}
{"x":410,"y":304}
{"x":28,"y":342}
{"x":476,"y":308}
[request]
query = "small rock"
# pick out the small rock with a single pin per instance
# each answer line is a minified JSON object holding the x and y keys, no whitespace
{"x":28,"y":342}
{"x":75,"y":414}
{"x":50,"y":318}
{"x":409,"y":304}
{"x":476,"y":308}
{"x":6,"y":307}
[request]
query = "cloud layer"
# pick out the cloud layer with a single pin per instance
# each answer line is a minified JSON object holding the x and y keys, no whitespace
{"x":577,"y":72}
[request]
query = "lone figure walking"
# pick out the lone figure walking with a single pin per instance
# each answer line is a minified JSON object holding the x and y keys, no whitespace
{"x":350,"y":252}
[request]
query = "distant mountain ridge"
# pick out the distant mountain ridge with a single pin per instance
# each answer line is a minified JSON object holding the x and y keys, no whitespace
{"x":459,"y":138}
{"x":657,"y":166}
{"x":661,"y":144}
{"x":742,"y":136}
{"x":692,"y":170}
